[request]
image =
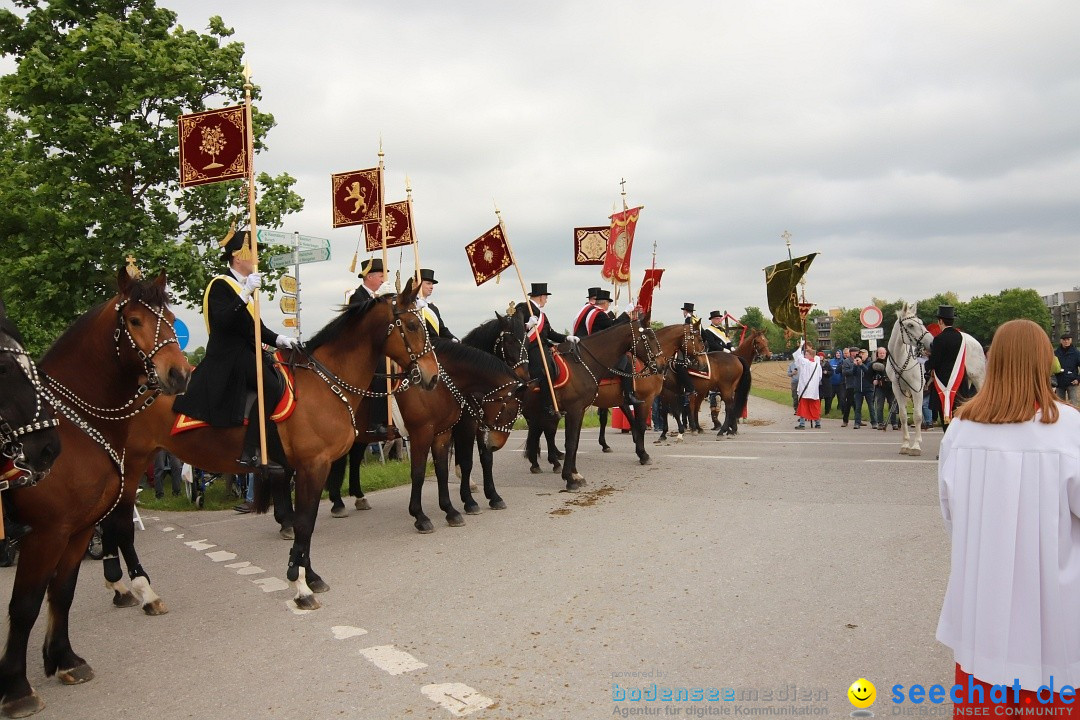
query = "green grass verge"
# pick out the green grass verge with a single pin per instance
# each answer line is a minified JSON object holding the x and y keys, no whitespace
{"x":590,"y":420}
{"x":373,"y":475}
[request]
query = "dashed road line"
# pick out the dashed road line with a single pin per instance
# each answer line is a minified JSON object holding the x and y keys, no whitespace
{"x":344,"y":632}
{"x":718,"y":457}
{"x":392,"y":660}
{"x":458,"y":698}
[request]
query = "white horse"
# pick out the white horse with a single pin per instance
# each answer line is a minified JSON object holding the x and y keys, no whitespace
{"x":909,"y":337}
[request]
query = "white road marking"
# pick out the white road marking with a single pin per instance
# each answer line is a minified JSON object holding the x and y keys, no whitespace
{"x":221,"y":555}
{"x":180,"y":536}
{"x":168,"y":528}
{"x":458,"y":698}
{"x":344,"y":632}
{"x":243,"y":564}
{"x":199,"y":544}
{"x":925,"y":462}
{"x":271,"y":584}
{"x":717,"y":457}
{"x":250,"y":569}
{"x":392,"y":660}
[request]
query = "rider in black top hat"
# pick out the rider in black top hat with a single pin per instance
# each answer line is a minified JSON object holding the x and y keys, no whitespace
{"x":432,"y":317}
{"x":541,"y":337}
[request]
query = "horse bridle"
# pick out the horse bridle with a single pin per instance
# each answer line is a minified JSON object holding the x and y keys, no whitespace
{"x":11,"y":438}
{"x":651,"y":364}
{"x":500,"y":347}
{"x":152,"y":381}
{"x":687,"y":338}
{"x":913,"y":347}
{"x":414,"y":358}
{"x":475,"y":407}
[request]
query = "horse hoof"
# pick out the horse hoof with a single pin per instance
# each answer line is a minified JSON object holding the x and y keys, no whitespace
{"x":645,"y":460}
{"x":579,"y":477}
{"x":124,"y":600}
{"x":535,"y":470}
{"x":557,"y":467}
{"x":472,"y":509}
{"x":424,"y":527}
{"x":362,"y":504}
{"x":455,"y":520}
{"x":574,"y":486}
{"x":915,"y":451}
{"x":287,"y":533}
{"x":318,"y":586}
{"x":307,"y":602}
{"x":677,"y":439}
{"x":607,"y":449}
{"x":155,"y":608}
{"x":76,"y":675}
{"x":497,"y":505}
{"x":903,"y":451}
{"x":24,"y":706}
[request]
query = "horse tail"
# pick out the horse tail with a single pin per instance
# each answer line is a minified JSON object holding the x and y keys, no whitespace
{"x":742,"y":391}
{"x":263,"y":492}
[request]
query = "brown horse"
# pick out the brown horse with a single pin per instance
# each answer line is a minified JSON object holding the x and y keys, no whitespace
{"x":29,"y":440}
{"x":729,"y":376}
{"x":99,"y":376}
{"x":670,"y":340}
{"x":330,"y":384}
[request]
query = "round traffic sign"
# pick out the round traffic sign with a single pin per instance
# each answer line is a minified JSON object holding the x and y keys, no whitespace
{"x":871,"y":316}
{"x":182,"y":333}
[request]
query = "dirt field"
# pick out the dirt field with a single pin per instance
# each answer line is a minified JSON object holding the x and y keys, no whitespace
{"x":771,"y":375}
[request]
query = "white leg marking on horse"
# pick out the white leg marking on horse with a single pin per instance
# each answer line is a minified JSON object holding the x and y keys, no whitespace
{"x":143,"y":591}
{"x":221,"y":555}
{"x":238,"y":565}
{"x":291,"y":604}
{"x":344,"y":632}
{"x":250,"y":569}
{"x":458,"y":698}
{"x":392,"y":660}
{"x":199,"y":544}
{"x":168,"y":528}
{"x":271,"y":584}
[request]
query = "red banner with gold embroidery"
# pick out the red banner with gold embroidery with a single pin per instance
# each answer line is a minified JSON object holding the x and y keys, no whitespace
{"x":590,"y":245}
{"x":213,"y":146}
{"x":355,"y":197}
{"x":620,"y":244}
{"x":650,"y":283}
{"x":488,"y":255}
{"x":398,"y":228}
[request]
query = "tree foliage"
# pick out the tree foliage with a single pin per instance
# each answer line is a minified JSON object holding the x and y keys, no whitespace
{"x":88,"y":154}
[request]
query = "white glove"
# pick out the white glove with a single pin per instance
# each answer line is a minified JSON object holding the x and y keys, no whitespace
{"x":251,"y":283}
{"x":615,"y":309}
{"x":385,"y":289}
{"x":573,"y":338}
{"x":532,"y":322}
{"x":286,"y":343}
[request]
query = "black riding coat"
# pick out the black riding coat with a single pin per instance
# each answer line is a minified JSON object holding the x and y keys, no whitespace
{"x":220,"y":383}
{"x":943,"y":353}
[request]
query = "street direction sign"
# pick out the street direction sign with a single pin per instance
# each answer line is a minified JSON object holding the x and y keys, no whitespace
{"x":877,"y":333}
{"x":288,"y":284}
{"x":290,"y":321}
{"x":277,"y":237}
{"x":288,"y":305}
{"x":308,"y":255}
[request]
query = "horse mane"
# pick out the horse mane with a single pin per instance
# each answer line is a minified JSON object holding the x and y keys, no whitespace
{"x":484,"y":334}
{"x":459,"y":352}
{"x":149,"y":292}
{"x":8,"y":328}
{"x":348,"y":314}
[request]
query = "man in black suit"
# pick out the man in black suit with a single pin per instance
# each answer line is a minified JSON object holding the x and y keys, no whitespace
{"x":946,"y":365}
{"x":432,"y":317}
{"x":541,"y":337}
{"x":221,"y":383}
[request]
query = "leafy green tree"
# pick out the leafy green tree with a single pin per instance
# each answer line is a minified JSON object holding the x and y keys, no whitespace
{"x":847,"y":329}
{"x":88,"y":155}
{"x":196,"y":356}
{"x":981,"y":316}
{"x":754,"y":318}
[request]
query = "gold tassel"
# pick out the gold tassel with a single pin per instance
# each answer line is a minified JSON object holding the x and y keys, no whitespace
{"x":229,"y":236}
{"x":352,"y":265}
{"x":244,"y":253}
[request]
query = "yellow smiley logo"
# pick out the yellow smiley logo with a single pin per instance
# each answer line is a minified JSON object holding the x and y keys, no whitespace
{"x":862,"y":693}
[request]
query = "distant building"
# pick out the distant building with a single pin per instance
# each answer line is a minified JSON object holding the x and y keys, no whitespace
{"x":1064,"y":313}
{"x":823,"y":324}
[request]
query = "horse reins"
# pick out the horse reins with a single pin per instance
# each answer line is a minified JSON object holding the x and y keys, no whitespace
{"x":916,"y":342}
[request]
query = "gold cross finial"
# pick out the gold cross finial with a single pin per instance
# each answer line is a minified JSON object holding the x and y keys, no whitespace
{"x":787,"y":237}
{"x":132,"y":271}
{"x":247,"y":74}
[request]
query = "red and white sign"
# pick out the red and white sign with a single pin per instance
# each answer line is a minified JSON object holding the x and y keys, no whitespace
{"x":871,"y":316}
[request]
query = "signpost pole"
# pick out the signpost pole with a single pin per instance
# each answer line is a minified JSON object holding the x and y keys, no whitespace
{"x":296,"y":271}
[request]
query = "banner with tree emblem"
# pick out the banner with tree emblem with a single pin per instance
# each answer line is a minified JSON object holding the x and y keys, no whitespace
{"x":590,"y":245}
{"x":398,"y":228}
{"x":620,"y":244}
{"x":213,"y":146}
{"x":781,"y":280}
{"x":648,"y":285}
{"x":488,"y":255}
{"x":356,"y":197}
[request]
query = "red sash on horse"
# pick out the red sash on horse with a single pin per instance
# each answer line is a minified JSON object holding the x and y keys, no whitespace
{"x":947,"y":392}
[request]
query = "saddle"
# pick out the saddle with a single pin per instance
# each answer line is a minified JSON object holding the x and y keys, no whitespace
{"x":706,"y":373}
{"x":282,"y":410}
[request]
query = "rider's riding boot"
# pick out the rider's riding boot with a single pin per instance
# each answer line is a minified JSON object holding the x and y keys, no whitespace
{"x":13,"y":529}
{"x":271,"y":470}
{"x":628,"y":390}
{"x":715,"y":412}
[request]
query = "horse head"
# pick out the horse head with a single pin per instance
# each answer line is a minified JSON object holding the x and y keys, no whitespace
{"x":760,"y":343}
{"x":648,"y":349}
{"x":410,"y":346}
{"x":909,"y":329}
{"x":28,"y":436}
{"x":693,"y":345}
{"x":510,"y":344}
{"x":143,"y":318}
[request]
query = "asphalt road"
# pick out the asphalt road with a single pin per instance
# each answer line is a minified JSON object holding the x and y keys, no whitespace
{"x":781,"y":565}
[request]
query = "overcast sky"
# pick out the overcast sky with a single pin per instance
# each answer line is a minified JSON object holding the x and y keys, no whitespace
{"x":918,"y":146}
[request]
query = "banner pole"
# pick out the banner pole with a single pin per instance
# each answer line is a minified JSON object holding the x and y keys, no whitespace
{"x":412,"y":227}
{"x":528,"y":304}
{"x":253,"y":239}
{"x":386,"y":270}
{"x":630,"y":298}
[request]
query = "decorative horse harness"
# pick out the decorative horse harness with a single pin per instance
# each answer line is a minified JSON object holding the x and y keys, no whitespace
{"x":11,"y":446}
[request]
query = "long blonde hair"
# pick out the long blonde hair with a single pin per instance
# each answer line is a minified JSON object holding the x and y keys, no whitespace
{"x":1017,"y":378}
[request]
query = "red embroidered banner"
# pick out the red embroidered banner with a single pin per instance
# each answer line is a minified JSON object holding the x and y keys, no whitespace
{"x":590,"y":245}
{"x":355,"y":197}
{"x":213,"y":146}
{"x":398,"y":228}
{"x":620,"y":244}
{"x":650,"y":283}
{"x":488,"y":255}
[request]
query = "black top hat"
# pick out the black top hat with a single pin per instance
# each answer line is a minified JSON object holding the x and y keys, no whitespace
{"x":715,"y":314}
{"x":603,"y":295}
{"x":946,"y":312}
{"x":688,"y":307}
{"x":428,"y":275}
{"x":593,"y":292}
{"x":539,"y":289}
{"x":370,"y":266}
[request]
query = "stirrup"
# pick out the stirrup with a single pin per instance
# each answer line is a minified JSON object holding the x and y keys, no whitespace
{"x":270,"y":471}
